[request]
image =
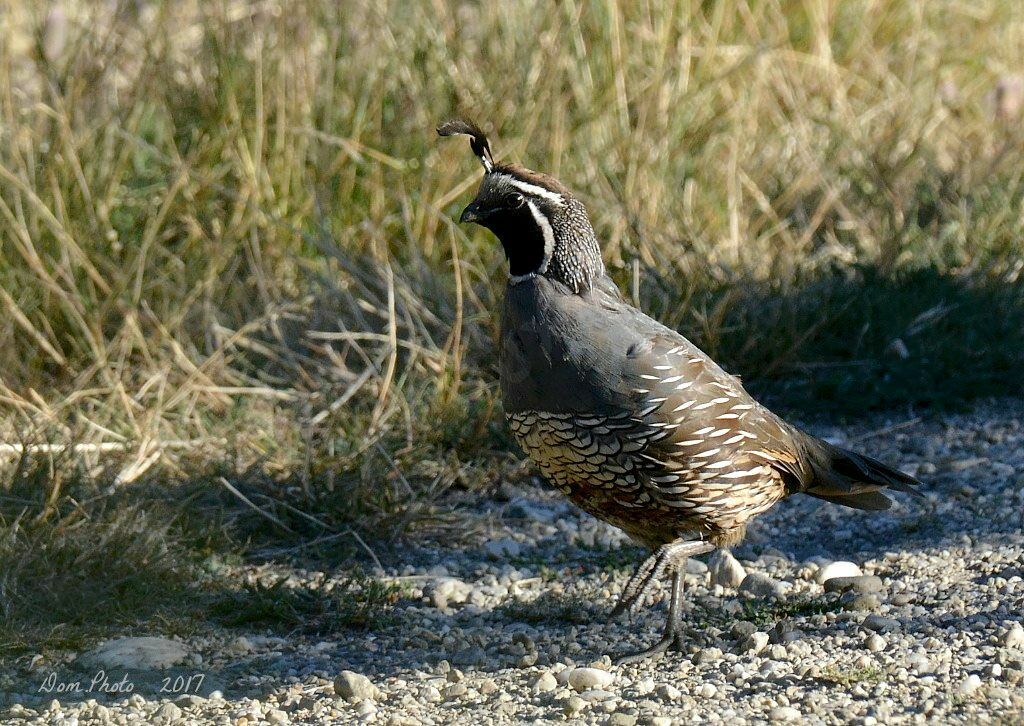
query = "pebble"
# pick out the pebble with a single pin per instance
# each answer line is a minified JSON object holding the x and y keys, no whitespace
{"x":758,"y":585}
{"x":355,"y":686}
{"x":858,"y":583}
{"x":503,"y":548}
{"x":707,"y":690}
{"x":970,"y":684}
{"x":147,"y":653}
{"x":880,"y":623}
{"x":277,"y":716}
{"x":875,"y":643}
{"x":574,"y":705}
{"x":860,"y":601}
{"x":448,"y":591}
{"x":582,"y":679}
{"x":726,"y":570}
{"x":784,"y":713}
{"x":840,"y":568}
{"x":1013,"y":637}
{"x":668,"y":692}
{"x":545,"y":682}
{"x":755,"y":643}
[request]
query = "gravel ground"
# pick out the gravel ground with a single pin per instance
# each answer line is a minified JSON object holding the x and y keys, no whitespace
{"x":918,"y":619}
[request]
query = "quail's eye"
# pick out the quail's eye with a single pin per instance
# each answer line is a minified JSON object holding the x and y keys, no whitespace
{"x":517,"y":200}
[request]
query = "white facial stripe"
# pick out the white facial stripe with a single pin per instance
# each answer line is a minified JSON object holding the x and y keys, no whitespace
{"x":536,"y":191}
{"x":545,"y":229}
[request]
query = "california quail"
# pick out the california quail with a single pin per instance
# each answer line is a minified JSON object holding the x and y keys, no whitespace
{"x":629,"y":419}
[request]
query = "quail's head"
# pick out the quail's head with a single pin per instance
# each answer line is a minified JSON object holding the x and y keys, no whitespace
{"x":542,"y":227}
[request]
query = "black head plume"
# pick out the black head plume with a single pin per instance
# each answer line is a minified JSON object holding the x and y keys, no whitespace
{"x":477,"y":139}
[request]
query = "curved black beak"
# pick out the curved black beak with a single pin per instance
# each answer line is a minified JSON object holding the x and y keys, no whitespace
{"x":471,"y":213}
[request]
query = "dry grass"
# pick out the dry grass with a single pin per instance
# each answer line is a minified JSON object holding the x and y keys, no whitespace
{"x":227,"y":244}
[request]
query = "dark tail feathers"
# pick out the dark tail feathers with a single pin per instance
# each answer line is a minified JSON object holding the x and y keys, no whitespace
{"x":855,"y":480}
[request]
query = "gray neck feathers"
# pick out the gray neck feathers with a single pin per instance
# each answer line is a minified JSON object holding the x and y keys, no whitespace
{"x":576,"y":257}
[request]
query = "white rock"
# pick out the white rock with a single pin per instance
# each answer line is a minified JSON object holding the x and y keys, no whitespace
{"x":138,"y":654}
{"x":545,"y":682}
{"x":277,"y":716}
{"x":840,"y":568}
{"x":1014,"y":637}
{"x":754,"y":643}
{"x":502,"y":548}
{"x":784,"y":713}
{"x":582,"y":679}
{"x":970,"y":684}
{"x":707,"y":690}
{"x":760,"y":585}
{"x":726,"y":569}
{"x":167,"y":712}
{"x":448,"y":590}
{"x":668,"y":692}
{"x":355,"y":686}
{"x":875,"y":643}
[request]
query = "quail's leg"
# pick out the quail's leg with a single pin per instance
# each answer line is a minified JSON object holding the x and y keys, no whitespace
{"x":671,"y":557}
{"x":673,"y":627}
{"x":668,"y":557}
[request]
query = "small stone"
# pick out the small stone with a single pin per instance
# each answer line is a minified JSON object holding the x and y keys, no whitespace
{"x":860,"y":601}
{"x":880,"y":623}
{"x":622,"y":719}
{"x":668,"y":692}
{"x":784,"y":713}
{"x":660,"y":721}
{"x":970,"y":684}
{"x":277,"y":716}
{"x":168,"y":712}
{"x":707,"y":690}
{"x":919,"y":663}
{"x":366,"y":709}
{"x":840,"y":568}
{"x":355,"y":686}
{"x":241,"y":645}
{"x":503,"y":548}
{"x":582,"y":679}
{"x":875,"y":643}
{"x":145,"y":653}
{"x":859,"y":583}
{"x":726,"y":569}
{"x":755,"y":643}
{"x":759,"y":585}
{"x":707,"y":655}
{"x":1014,"y":637}
{"x":645,"y":686}
{"x":488,"y":686}
{"x":574,"y":705}
{"x":455,"y":675}
{"x":597,"y":695}
{"x":447,"y":591}
{"x":742,"y":629}
{"x":544,"y":682}
{"x":695,"y":567}
{"x":454,"y":691}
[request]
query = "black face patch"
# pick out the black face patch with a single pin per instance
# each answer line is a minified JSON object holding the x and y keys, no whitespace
{"x":521,"y":238}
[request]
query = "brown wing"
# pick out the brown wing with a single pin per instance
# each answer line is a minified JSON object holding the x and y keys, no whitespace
{"x":717,"y":453}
